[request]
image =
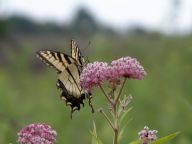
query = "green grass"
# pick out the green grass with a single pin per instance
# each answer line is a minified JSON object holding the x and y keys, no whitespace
{"x":163,"y":100}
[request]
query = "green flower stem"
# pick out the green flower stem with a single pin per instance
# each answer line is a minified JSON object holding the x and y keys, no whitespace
{"x":118,"y":96}
{"x":108,"y":120}
{"x":106,"y":95}
{"x":116,"y":129}
{"x":115,"y":140}
{"x":115,"y":103}
{"x":116,"y":136}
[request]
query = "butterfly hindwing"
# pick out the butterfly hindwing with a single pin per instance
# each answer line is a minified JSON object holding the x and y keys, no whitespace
{"x":71,"y":80}
{"x":72,"y":92}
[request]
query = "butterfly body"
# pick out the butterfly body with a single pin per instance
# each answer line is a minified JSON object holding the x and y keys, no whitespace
{"x":69,"y":69}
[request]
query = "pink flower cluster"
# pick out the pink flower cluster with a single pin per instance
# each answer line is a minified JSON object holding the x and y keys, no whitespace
{"x":128,"y":67}
{"x":147,"y":135}
{"x":95,"y":73}
{"x":37,"y":134}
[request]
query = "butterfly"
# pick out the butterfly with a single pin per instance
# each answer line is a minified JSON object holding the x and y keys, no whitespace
{"x":69,"y":69}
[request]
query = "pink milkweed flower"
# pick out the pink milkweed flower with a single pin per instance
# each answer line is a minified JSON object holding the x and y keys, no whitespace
{"x":152,"y":135}
{"x":112,"y":76}
{"x":112,"y":73}
{"x":93,"y":75}
{"x":147,"y":135}
{"x":37,"y":134}
{"x":128,"y":67}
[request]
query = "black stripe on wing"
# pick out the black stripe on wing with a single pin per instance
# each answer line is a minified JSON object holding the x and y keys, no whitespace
{"x":70,"y":78}
{"x":57,"y":60}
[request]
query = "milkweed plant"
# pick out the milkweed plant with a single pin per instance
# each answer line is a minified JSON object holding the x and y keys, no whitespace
{"x":97,"y":74}
{"x":115,"y":75}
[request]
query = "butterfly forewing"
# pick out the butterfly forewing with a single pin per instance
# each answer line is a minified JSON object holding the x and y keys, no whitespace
{"x":76,"y":54}
{"x":57,"y":60}
{"x":74,"y":50}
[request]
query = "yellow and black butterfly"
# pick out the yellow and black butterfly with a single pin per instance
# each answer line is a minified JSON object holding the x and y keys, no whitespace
{"x":69,"y":69}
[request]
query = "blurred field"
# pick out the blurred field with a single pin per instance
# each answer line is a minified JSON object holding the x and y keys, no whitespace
{"x":162,"y":100}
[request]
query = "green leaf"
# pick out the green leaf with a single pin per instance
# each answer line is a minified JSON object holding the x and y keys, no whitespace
{"x":166,"y":138}
{"x":124,"y":114}
{"x":123,"y":128}
{"x":160,"y":140}
{"x":95,"y":139}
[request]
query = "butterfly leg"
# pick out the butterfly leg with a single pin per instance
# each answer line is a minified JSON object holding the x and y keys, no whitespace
{"x":71,"y":115}
{"x":90,"y":103}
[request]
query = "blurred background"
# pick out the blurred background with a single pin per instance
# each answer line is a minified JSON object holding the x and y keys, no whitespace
{"x":157,"y":32}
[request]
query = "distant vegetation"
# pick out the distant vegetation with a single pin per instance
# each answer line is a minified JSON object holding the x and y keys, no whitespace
{"x":82,"y":24}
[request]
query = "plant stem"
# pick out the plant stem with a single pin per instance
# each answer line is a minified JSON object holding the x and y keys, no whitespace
{"x":118,"y":96}
{"x":116,"y":129}
{"x":105,"y":95}
{"x":115,"y":103}
{"x":116,"y":132}
{"x":116,"y":122}
{"x":108,"y":120}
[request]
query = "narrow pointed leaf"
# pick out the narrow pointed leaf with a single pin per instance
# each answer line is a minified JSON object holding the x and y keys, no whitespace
{"x":160,"y":140}
{"x":123,"y":128}
{"x":124,"y":114}
{"x":95,"y":139}
{"x":166,"y":138}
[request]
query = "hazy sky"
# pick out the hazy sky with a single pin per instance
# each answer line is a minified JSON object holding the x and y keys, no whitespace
{"x":116,"y":13}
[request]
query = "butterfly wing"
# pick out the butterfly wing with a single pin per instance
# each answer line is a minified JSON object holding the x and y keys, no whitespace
{"x":71,"y":81}
{"x":57,"y":60}
{"x":72,"y":92}
{"x":81,"y":62}
{"x":69,"y":69}
{"x":76,"y":54}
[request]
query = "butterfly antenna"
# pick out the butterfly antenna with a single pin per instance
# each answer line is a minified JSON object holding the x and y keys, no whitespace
{"x":87,"y":47}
